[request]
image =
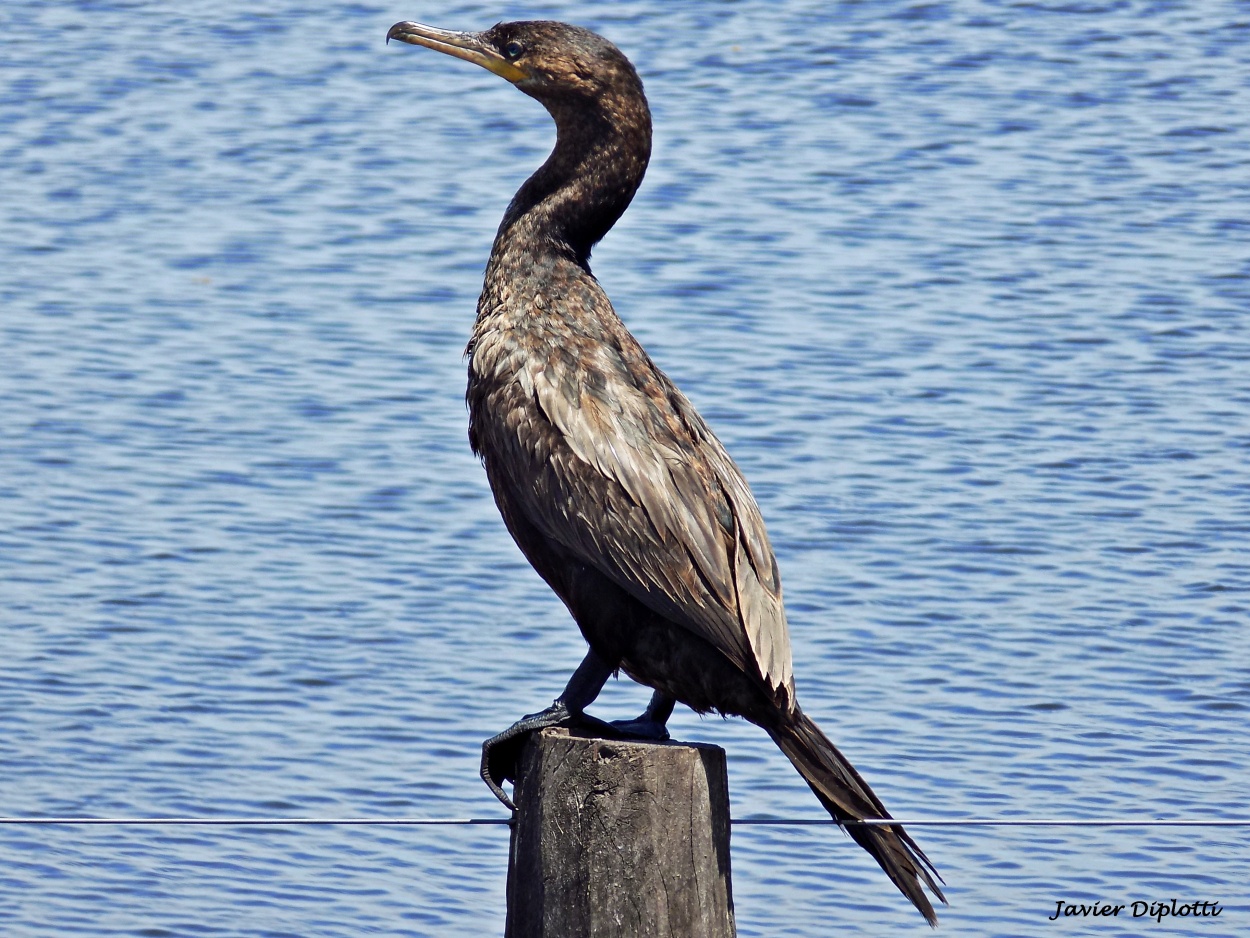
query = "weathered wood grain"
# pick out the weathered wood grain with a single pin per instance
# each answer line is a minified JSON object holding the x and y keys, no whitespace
{"x":619,"y":838}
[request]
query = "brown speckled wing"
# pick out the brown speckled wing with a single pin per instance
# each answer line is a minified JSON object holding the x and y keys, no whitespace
{"x":622,"y":472}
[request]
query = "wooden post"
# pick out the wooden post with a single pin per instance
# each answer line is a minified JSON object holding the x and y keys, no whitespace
{"x":619,"y":839}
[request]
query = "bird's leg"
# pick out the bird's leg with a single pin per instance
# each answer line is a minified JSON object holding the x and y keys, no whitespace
{"x":500,"y":753}
{"x":651,"y":724}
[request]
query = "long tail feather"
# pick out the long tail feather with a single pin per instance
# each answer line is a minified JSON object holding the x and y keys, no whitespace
{"x":847,"y":797}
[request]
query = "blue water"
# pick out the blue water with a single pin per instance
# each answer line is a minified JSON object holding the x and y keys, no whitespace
{"x":964,"y":287}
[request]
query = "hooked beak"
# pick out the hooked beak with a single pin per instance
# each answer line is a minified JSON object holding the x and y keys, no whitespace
{"x":468,"y":46}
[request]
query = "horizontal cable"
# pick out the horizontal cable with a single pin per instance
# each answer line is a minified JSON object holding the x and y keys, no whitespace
{"x":755,"y":822}
{"x":256,"y":821}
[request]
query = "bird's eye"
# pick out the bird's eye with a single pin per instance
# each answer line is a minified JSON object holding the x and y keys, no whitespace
{"x":513,"y":49}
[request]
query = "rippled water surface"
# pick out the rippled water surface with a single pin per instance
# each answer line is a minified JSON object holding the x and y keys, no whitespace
{"x":965,"y":288}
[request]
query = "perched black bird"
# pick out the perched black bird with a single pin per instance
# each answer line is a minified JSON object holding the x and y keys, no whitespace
{"x":606,"y":476}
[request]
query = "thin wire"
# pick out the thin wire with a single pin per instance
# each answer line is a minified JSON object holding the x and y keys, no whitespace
{"x":757,"y":822}
{"x":255,"y":821}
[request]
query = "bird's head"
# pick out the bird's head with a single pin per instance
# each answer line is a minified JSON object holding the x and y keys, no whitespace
{"x":550,"y":61}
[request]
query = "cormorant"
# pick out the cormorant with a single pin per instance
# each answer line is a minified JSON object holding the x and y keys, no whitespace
{"x":606,"y":476}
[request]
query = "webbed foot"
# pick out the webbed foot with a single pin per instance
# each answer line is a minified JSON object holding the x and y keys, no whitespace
{"x":501,"y":753}
{"x":640,"y":728}
{"x":650,"y":723}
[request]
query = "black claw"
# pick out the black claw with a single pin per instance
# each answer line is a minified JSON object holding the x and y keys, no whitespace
{"x":500,"y":753}
{"x":493,"y":785}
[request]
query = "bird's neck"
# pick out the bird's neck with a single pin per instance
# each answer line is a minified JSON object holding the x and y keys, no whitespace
{"x":585,"y":185}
